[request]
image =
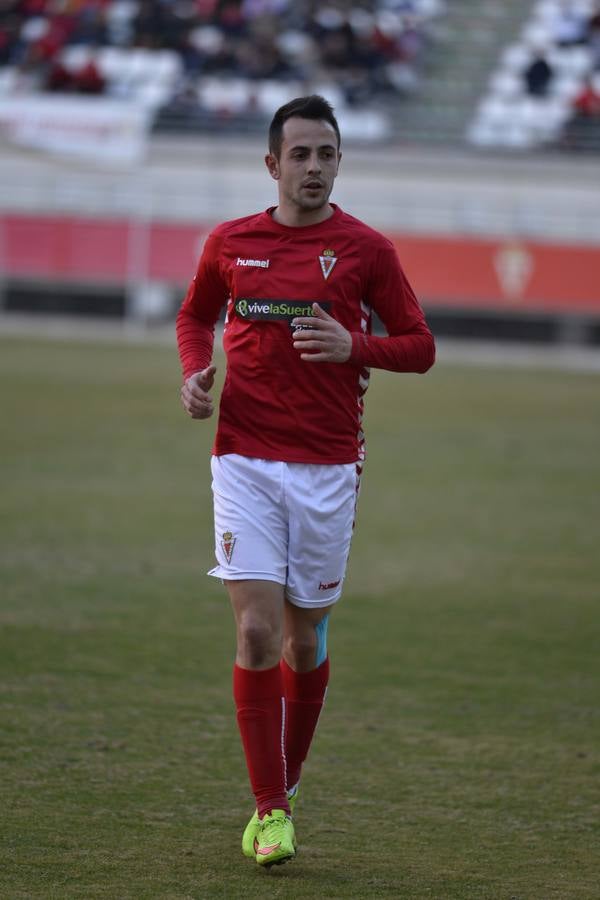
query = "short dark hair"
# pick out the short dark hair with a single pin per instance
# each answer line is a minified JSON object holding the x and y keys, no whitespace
{"x":312,"y":107}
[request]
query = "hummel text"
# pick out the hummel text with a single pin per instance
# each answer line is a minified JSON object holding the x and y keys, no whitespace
{"x":329,"y":585}
{"x":261,"y":263}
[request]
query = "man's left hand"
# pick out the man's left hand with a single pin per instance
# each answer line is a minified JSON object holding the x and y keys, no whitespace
{"x":324,"y":340}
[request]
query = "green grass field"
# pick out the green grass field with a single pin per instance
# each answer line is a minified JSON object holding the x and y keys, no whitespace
{"x":459,"y":753}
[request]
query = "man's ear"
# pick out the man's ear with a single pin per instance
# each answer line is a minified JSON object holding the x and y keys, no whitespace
{"x":272,"y":164}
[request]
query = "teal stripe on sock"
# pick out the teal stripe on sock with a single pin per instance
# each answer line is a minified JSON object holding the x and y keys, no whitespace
{"x":321,"y":630}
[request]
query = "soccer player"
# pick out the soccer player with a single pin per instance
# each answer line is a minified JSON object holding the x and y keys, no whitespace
{"x":300,"y":282}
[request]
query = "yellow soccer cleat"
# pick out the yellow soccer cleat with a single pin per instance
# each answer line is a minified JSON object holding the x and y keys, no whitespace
{"x":276,"y":842}
{"x":250,"y":836}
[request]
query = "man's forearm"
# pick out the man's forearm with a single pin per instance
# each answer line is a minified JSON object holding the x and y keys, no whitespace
{"x":414,"y":352}
{"x":195,"y":340}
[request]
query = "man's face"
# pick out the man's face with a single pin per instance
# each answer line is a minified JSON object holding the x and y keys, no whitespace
{"x":307,"y":164}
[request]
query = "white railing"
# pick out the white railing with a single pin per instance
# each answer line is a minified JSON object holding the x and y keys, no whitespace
{"x":394,"y":190}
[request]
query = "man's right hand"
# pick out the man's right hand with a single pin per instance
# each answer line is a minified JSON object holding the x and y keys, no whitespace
{"x":196,"y":400}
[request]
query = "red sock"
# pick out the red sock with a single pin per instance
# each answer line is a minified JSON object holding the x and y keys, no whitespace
{"x":260,"y":706}
{"x":304,"y":696}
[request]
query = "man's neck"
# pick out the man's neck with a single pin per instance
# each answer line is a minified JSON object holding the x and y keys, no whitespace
{"x":298,"y":218}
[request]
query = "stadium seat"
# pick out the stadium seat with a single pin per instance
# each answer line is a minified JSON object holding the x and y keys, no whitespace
{"x":8,"y":80}
{"x":482,"y":133}
{"x":506,"y":85}
{"x":565,"y":88}
{"x":225,"y":97}
{"x":515,"y":57}
{"x":577,"y":61}
{"x":495,"y":112}
{"x":112,"y":62}
{"x":272,"y":94}
{"x":167,"y":66}
{"x":330,"y":90}
{"x":295,"y":45}
{"x":152,"y":94}
{"x":141,"y":64}
{"x":76,"y":56}
{"x":537,"y":35}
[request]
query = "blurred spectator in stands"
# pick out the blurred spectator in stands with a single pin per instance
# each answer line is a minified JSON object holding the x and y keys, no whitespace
{"x":587,"y":102}
{"x":230,"y":17}
{"x":219,"y":56}
{"x":336,"y":48}
{"x":86,"y":80}
{"x":367,"y":49}
{"x":259,"y":54}
{"x":157,"y":26}
{"x":411,"y":40}
{"x":569,"y":26}
{"x":119,"y":17}
{"x":593,"y":36}
{"x":582,"y":131}
{"x":538,"y":75}
{"x":251,"y":9}
{"x":10,"y":27}
{"x":346,"y":56}
{"x":261,"y":60}
{"x":89,"y":25}
{"x":59,"y":79}
{"x":400,"y":41}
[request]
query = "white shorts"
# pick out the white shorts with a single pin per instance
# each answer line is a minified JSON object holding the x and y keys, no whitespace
{"x":285,"y":522}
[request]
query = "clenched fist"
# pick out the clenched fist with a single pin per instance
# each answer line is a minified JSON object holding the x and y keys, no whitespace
{"x":196,"y":400}
{"x":321,"y":338}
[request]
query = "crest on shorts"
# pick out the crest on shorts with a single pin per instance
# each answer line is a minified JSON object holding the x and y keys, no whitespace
{"x":228,"y":543}
{"x":327,"y":260}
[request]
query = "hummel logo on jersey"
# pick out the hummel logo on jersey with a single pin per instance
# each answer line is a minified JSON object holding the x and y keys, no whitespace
{"x":259,"y":263}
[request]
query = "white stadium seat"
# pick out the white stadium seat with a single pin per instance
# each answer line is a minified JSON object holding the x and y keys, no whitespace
{"x":516,"y":57}
{"x":270,"y":94}
{"x":77,"y":56}
{"x":506,"y":85}
{"x":226,"y":96}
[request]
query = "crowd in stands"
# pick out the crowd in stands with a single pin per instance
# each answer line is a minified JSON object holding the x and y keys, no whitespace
{"x":186,"y":59}
{"x":573,"y":25}
{"x":367,"y":49}
{"x":546,"y":90}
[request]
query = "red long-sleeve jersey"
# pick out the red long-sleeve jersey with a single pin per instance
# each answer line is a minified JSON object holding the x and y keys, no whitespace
{"x":275,"y":405}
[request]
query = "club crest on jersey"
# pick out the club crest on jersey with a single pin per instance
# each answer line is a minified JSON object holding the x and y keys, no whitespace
{"x":328,"y":260}
{"x":228,"y":543}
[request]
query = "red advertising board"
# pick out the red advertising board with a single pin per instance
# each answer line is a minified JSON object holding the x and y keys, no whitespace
{"x":446,"y":271}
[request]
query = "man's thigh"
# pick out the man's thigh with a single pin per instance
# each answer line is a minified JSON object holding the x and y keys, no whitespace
{"x":290,"y":523}
{"x":322,"y":507}
{"x":251,"y":529}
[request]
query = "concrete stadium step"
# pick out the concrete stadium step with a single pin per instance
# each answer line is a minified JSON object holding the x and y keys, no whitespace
{"x":468,"y":39}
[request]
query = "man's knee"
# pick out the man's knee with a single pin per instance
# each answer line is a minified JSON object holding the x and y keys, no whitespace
{"x":299,"y":650}
{"x":259,"y":640}
{"x":305,"y":648}
{"x":258,"y":610}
